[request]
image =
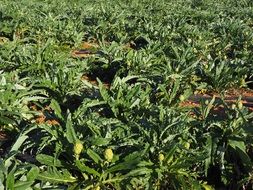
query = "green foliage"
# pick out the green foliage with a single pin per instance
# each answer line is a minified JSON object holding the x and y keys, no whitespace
{"x":114,"y":120}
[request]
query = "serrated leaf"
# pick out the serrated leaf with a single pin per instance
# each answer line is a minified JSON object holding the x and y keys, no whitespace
{"x":57,"y":109}
{"x":145,"y":163}
{"x":81,"y":166}
{"x":19,"y":87}
{"x":70,"y":132}
{"x":106,"y":97}
{"x":140,"y":171}
{"x":170,"y":153}
{"x":48,"y":160}
{"x":99,"y":141}
{"x":19,"y":142}
{"x":22,"y":185}
{"x":34,"y":98}
{"x":10,"y":180}
{"x":135,"y":103}
{"x":123,"y":166}
{"x":5,"y":120}
{"x":33,"y":173}
{"x":94,"y":156}
{"x":133,"y":156}
{"x":56,"y":176}
{"x":236,"y":143}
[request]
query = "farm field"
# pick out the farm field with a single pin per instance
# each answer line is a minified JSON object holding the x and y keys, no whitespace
{"x":140,"y":94}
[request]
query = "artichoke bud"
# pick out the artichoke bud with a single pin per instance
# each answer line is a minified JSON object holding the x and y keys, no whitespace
{"x":187,"y":145}
{"x":108,"y":154}
{"x":181,"y":98}
{"x":161,"y":157}
{"x":78,"y":147}
{"x":240,"y":105}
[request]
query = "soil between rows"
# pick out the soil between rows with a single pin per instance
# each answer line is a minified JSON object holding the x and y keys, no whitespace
{"x":231,"y":97}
